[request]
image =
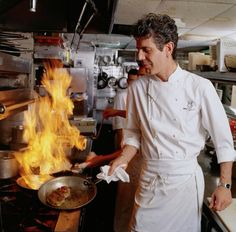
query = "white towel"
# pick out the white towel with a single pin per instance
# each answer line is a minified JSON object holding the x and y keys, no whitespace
{"x":118,"y":174}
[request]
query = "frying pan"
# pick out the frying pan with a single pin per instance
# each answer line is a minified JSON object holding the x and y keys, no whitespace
{"x":37,"y":180}
{"x":111,"y":82}
{"x":122,"y":83}
{"x":82,"y":191}
{"x":102,"y":80}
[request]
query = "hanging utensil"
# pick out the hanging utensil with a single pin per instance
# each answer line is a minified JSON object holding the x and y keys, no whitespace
{"x":81,"y":33}
{"x":78,"y":25}
{"x":102,"y":80}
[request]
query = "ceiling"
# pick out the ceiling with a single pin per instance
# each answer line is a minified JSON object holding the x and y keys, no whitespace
{"x":200,"y":22}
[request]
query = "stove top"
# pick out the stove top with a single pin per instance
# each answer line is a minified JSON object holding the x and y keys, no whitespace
{"x":21,"y":210}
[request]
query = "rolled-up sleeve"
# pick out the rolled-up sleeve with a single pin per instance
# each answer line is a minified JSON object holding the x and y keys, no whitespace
{"x":215,"y":121}
{"x":132,"y":129}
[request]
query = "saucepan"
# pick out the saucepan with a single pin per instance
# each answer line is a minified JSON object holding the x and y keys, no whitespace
{"x":82,"y":191}
{"x":8,"y":165}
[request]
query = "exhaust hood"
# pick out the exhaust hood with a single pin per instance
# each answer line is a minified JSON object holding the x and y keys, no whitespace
{"x":54,"y":16}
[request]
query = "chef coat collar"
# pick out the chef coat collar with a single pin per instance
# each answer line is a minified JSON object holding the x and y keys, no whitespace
{"x":174,"y":77}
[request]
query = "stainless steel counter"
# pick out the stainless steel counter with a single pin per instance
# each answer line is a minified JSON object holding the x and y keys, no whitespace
{"x":211,"y":174}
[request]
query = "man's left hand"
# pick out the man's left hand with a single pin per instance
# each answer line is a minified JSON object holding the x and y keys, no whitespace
{"x":220,"y":199}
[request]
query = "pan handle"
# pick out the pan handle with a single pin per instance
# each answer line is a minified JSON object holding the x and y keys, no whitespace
{"x":89,"y":181}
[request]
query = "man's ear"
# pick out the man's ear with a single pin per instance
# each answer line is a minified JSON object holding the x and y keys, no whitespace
{"x":169,"y":47}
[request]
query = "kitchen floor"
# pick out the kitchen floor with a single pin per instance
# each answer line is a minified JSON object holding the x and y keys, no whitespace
{"x":99,"y":214}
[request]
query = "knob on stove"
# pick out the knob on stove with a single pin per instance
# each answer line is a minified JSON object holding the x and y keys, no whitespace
{"x":2,"y":109}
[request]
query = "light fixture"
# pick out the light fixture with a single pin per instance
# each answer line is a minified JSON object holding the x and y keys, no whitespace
{"x":33,"y":5}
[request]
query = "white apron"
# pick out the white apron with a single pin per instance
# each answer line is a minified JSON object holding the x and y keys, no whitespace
{"x":167,"y":200}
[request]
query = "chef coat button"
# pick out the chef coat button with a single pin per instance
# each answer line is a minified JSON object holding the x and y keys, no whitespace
{"x":176,"y":99}
{"x":174,"y":119}
{"x":173,"y":136}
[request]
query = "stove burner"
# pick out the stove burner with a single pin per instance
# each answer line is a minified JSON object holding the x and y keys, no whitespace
{"x":25,"y":211}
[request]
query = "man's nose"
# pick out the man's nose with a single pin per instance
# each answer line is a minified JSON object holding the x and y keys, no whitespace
{"x":140,"y":55}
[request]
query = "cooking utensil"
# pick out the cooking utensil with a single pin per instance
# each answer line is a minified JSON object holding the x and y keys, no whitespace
{"x":35,"y":180}
{"x":8,"y":165}
{"x":106,"y":59}
{"x":82,"y":191}
{"x":122,"y":83}
{"x":111,"y":82}
{"x":119,"y":60}
{"x":102,"y":80}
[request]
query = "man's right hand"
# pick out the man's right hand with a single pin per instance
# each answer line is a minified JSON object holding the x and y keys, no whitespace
{"x":109,"y":113}
{"x":126,"y":154}
{"x":121,"y":160}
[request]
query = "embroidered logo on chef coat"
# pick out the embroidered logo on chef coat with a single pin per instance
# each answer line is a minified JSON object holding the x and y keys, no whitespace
{"x":190,"y":106}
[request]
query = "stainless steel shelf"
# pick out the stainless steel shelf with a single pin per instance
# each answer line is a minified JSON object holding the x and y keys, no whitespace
{"x":219,"y":77}
{"x":230,"y":113}
{"x":13,"y":64}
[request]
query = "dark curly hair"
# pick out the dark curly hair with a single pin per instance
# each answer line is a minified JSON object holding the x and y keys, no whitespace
{"x":161,"y":27}
{"x":133,"y":71}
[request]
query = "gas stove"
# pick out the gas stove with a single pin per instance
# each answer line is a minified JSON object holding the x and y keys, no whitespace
{"x":20,"y":210}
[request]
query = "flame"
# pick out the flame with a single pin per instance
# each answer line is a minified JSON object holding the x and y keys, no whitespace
{"x":47,"y":128}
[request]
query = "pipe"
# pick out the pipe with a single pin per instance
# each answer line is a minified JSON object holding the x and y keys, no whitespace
{"x":33,"y":4}
{"x":4,"y":108}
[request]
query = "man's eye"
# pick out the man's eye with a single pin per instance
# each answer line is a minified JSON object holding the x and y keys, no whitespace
{"x":147,"y":50}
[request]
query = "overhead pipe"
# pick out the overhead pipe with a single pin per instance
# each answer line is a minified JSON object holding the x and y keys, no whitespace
{"x":33,"y":4}
{"x":4,"y":108}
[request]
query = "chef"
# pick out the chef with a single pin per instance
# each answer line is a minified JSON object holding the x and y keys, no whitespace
{"x":170,"y":113}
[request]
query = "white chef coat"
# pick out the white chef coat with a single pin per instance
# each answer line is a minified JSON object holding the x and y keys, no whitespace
{"x":169,"y":122}
{"x":119,"y":104}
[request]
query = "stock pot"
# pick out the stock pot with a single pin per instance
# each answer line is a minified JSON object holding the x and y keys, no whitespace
{"x":8,"y":164}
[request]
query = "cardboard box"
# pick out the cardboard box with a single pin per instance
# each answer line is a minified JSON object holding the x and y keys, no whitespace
{"x":197,"y":58}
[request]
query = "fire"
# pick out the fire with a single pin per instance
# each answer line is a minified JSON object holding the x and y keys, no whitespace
{"x":47,"y":128}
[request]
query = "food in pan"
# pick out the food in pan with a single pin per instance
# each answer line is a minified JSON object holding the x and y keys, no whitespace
{"x":58,"y":196}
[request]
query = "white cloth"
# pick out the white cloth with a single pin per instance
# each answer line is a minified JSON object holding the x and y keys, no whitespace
{"x":119,"y":104}
{"x":118,"y":174}
{"x":169,"y":122}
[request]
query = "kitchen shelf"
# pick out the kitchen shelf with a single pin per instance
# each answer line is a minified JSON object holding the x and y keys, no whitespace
{"x":219,"y":77}
{"x":13,"y":64}
{"x":229,"y":111}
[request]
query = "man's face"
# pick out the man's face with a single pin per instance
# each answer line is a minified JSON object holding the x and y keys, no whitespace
{"x":149,"y":56}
